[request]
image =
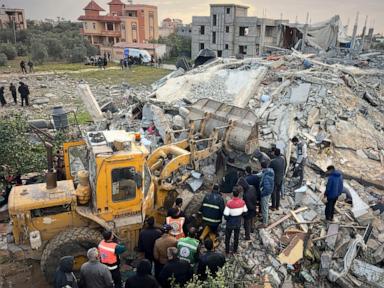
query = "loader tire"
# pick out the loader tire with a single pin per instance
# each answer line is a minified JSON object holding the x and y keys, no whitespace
{"x":73,"y":242}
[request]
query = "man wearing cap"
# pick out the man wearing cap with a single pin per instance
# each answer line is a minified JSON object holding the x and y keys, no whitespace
{"x":160,"y":249}
{"x":109,"y":255}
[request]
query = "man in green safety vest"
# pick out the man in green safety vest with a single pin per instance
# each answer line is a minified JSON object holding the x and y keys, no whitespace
{"x":188,"y":247}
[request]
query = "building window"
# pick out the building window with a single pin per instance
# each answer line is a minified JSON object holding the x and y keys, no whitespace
{"x":228,"y":10}
{"x":131,"y":13}
{"x":122,"y":26}
{"x":214,"y":37}
{"x":243,"y":31}
{"x":124,"y":184}
{"x":134,"y":32}
{"x":202,"y":30}
{"x":219,"y":53}
{"x":269,"y":31}
{"x":110,"y":26}
{"x":214,"y":20}
{"x":201,"y":46}
{"x":243,"y":49}
{"x":226,"y":29}
{"x":94,"y":26}
{"x":226,"y":46}
{"x":85,"y":26}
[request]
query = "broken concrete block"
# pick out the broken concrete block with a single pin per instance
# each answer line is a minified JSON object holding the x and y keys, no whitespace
{"x":299,"y":94}
{"x":267,"y":240}
{"x":313,"y":116}
{"x":359,"y":206}
{"x":332,"y":233}
{"x":325,"y":263}
{"x":368,"y":273}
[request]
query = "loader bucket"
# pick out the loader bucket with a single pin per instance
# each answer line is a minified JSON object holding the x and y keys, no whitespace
{"x":243,"y":133}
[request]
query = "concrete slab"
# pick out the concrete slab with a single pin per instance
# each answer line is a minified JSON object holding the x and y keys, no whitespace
{"x":370,"y":274}
{"x":333,"y":229}
{"x":299,"y":94}
{"x":90,"y":102}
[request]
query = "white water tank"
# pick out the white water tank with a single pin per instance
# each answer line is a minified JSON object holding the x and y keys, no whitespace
{"x":35,"y":239}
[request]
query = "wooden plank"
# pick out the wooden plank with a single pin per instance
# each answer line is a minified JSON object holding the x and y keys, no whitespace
{"x":299,"y":220}
{"x":281,"y":220}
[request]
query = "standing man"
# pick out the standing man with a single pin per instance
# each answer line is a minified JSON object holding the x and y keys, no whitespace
{"x":160,"y":249}
{"x":143,"y":277}
{"x":2,"y":99}
{"x":12,"y":88}
{"x":278,"y":167}
{"x":233,"y":213}
{"x":30,"y":65}
{"x":333,"y":190}
{"x":212,"y":210}
{"x":93,"y":274}
{"x":176,"y":268}
{"x":147,"y":238}
{"x":266,"y":189}
{"x":301,"y":159}
{"x":64,"y":273}
{"x":188,"y":247}
{"x":23,"y":68}
{"x":211,"y":260}
{"x":109,"y":255}
{"x":24,"y":93}
{"x":230,"y":178}
{"x":250,"y":199}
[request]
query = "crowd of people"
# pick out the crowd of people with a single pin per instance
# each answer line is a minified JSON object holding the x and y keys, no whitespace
{"x":172,"y":254}
{"x":23,"y":90}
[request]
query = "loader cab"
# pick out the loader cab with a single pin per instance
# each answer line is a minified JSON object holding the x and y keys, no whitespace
{"x":119,"y":178}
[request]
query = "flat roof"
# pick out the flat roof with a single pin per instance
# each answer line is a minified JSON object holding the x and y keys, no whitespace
{"x":229,"y":4}
{"x":137,"y":45}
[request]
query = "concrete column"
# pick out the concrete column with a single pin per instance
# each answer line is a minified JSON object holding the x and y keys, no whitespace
{"x":354,"y":31}
{"x":304,"y":39}
{"x":370,"y":36}
{"x":105,"y":26}
{"x":363,"y":34}
{"x":92,"y":42}
{"x":262,"y":35}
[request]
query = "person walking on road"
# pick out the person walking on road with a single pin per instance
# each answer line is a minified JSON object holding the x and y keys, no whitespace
{"x":333,"y":190}
{"x":233,"y":213}
{"x":278,"y":167}
{"x":12,"y":88}
{"x":266,"y":189}
{"x":94,"y":274}
{"x":109,"y":255}
{"x":64,"y":276}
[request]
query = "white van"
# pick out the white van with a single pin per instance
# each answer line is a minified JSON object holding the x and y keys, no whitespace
{"x":143,"y":54}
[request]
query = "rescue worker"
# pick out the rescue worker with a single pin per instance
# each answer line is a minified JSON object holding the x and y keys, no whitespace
{"x":12,"y":88}
{"x":212,"y":210}
{"x":211,"y":260}
{"x":301,"y":159}
{"x":109,"y":255}
{"x":188,"y":247}
{"x":160,"y":249}
{"x":176,"y":271}
{"x":64,"y":276}
{"x":250,"y":199}
{"x":147,"y":238}
{"x":176,"y":222}
{"x":93,"y":274}
{"x":333,"y":190}
{"x":233,"y":212}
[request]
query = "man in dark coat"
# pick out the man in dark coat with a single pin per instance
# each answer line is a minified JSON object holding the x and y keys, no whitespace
{"x":12,"y":88}
{"x":147,"y":238}
{"x":143,"y":277}
{"x":64,"y":274}
{"x":333,"y":190}
{"x":24,"y":93}
{"x":210,"y":259}
{"x":278,"y":166}
{"x":230,"y":178}
{"x":250,"y":199}
{"x":2,"y":99}
{"x":176,"y":268}
{"x":266,"y":189}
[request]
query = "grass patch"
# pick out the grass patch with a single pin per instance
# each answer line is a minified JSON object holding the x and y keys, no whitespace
{"x":137,"y":75}
{"x":83,"y":117}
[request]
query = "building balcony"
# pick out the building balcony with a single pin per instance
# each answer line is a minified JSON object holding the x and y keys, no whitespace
{"x":109,"y":33}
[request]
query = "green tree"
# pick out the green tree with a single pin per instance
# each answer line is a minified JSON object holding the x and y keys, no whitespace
{"x":22,"y":49}
{"x":177,"y":44}
{"x":9,"y":50}
{"x":77,"y":54}
{"x":3,"y":59}
{"x":39,"y":52}
{"x":54,"y":48}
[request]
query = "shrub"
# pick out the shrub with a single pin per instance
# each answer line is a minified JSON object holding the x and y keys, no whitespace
{"x":22,"y":50}
{"x":39,"y":52}
{"x":9,"y":50}
{"x":3,"y":59}
{"x":54,"y":47}
{"x":77,"y":54}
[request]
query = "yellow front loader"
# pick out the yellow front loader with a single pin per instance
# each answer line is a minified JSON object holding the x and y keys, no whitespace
{"x":113,"y":182}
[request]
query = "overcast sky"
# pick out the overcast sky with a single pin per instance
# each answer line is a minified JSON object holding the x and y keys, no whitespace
{"x":184,"y":9}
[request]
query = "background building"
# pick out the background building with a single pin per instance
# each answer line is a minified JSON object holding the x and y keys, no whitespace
{"x":12,"y":16}
{"x":132,"y":23}
{"x":184,"y":30}
{"x":169,"y":26}
{"x":229,"y":31}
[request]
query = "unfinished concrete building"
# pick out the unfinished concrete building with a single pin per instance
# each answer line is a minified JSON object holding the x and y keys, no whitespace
{"x":229,"y":31}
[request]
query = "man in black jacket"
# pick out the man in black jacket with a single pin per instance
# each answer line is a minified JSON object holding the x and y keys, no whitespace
{"x":278,"y":165}
{"x":176,"y":268}
{"x":24,"y":93}
{"x":230,"y":179}
{"x":143,"y":277}
{"x":64,"y":274}
{"x":147,"y":238}
{"x":211,"y":260}
{"x":250,"y":199}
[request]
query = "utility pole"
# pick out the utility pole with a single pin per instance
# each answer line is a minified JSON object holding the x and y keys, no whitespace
{"x":14,"y":28}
